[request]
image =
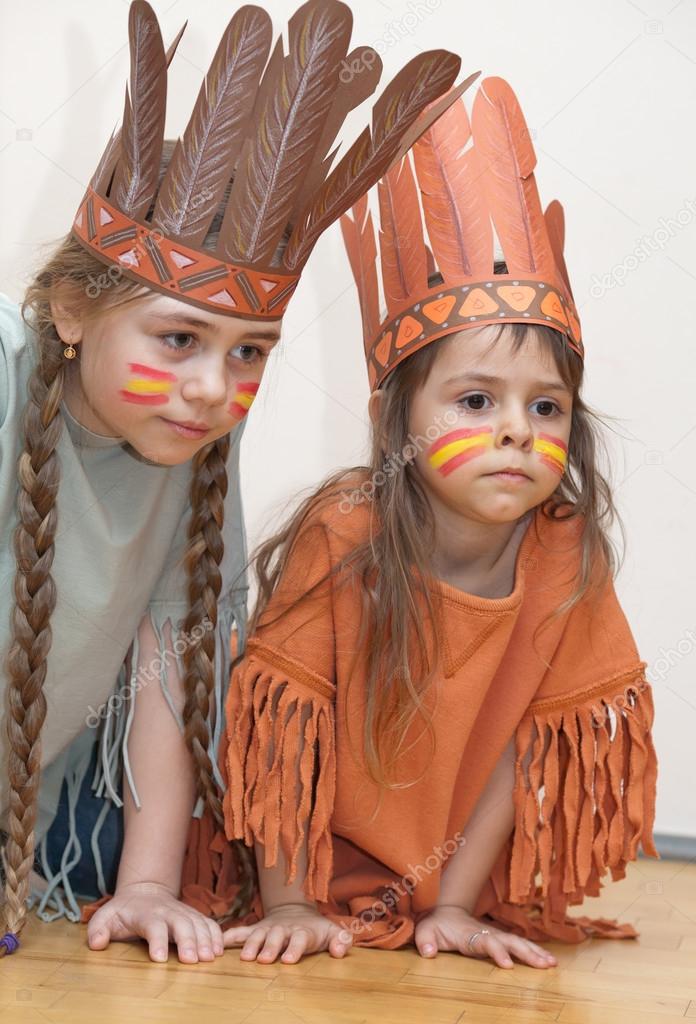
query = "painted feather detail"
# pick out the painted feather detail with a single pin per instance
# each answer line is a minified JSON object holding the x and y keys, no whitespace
{"x":137,"y":172}
{"x":422,"y":81}
{"x":101,"y":179}
{"x":361,"y":246}
{"x":430,"y":115}
{"x":296,"y":95}
{"x":507,"y":159}
{"x":456,"y":215}
{"x":204,"y":158}
{"x":349,"y":95}
{"x":555,"y":225}
{"x":401,"y":244}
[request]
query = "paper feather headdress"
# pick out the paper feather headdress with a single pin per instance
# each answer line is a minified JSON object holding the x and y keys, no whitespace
{"x":472,"y":177}
{"x":268,"y":123}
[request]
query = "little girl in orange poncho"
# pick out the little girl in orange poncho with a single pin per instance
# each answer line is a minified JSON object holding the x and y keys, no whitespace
{"x":440,"y":730}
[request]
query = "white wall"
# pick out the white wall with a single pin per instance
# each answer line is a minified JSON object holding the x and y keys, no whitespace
{"x":609,"y":90}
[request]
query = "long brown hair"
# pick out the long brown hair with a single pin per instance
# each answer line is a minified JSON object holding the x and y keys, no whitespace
{"x":394,"y":563}
{"x":73,"y":269}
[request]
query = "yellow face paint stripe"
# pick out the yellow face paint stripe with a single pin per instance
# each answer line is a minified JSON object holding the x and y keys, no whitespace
{"x":244,"y":398}
{"x":448,"y":451}
{"x":138,"y":386}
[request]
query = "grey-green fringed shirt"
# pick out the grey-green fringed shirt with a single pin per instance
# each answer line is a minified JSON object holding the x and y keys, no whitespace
{"x":122,"y":529}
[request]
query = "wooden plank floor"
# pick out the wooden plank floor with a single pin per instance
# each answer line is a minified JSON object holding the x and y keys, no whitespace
{"x":55,"y":978}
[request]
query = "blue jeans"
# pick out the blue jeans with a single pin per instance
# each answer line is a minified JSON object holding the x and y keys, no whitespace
{"x":83,"y":877}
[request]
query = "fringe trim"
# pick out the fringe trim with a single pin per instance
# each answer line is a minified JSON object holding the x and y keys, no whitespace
{"x":597,"y":767}
{"x":58,"y":900}
{"x":281,"y":722}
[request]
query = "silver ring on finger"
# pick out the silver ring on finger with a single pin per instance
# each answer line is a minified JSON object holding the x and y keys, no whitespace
{"x":482,"y":931}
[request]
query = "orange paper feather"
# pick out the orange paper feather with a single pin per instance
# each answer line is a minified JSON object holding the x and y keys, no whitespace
{"x":507,"y":161}
{"x":555,"y":224}
{"x":456,"y":216}
{"x":361,"y":246}
{"x":401,"y":244}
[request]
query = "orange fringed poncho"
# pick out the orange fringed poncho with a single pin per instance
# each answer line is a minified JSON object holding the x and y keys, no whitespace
{"x":579,"y":703}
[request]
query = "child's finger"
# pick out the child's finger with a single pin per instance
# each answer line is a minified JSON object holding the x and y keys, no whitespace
{"x":98,"y":931}
{"x":488,"y":945}
{"x":204,"y":940}
{"x":340,"y":942}
{"x":529,"y":952}
{"x":236,"y":936}
{"x":299,"y":940}
{"x":215,"y":936}
{"x":185,"y":938}
{"x":426,"y":943}
{"x":253,"y":944}
{"x":275,"y":940}
{"x":156,"y":934}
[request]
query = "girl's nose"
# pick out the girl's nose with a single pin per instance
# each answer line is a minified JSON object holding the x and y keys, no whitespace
{"x":207,"y":384}
{"x":515,"y":430}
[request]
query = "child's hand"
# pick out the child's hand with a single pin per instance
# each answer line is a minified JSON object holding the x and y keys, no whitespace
{"x":150,"y":911}
{"x":294,"y":927}
{"x":449,"y":929}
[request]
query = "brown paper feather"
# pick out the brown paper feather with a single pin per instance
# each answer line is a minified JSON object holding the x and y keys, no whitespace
{"x":361,"y":246}
{"x":204,"y":158}
{"x":423,"y":80}
{"x":101,"y":179}
{"x":298,"y":99}
{"x":507,"y":161}
{"x":456,"y":216}
{"x":349,"y":95}
{"x":401,"y":244}
{"x":137,"y":172}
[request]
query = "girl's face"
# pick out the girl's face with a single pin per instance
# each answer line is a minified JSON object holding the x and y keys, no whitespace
{"x":481,"y":411}
{"x":158,"y":362}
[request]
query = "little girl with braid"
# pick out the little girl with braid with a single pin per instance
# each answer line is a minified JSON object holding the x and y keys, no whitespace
{"x":440,"y":729}
{"x":124,"y":383}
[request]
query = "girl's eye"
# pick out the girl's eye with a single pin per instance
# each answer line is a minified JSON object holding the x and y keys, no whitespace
{"x":551,"y":406}
{"x":248,"y":353}
{"x":547,"y":406}
{"x":172,"y":345}
{"x":472,"y":398}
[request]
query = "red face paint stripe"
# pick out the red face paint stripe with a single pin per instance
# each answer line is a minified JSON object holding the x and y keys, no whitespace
{"x":553,"y":464}
{"x":237,"y":410}
{"x":129,"y":396}
{"x":554,"y":440}
{"x":249,"y":389}
{"x":149,"y":371}
{"x":458,"y":460}
{"x":458,"y":435}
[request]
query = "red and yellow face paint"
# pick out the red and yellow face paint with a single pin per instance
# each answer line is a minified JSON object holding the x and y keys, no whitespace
{"x":244,"y":396}
{"x":552,"y":451}
{"x":147,"y":386}
{"x":459,"y":446}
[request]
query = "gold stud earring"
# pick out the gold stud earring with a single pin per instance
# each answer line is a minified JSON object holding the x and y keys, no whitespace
{"x":70,"y":352}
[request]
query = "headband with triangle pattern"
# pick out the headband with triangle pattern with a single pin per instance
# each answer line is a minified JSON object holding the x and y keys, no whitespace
{"x":270,"y":124}
{"x":472,"y":177}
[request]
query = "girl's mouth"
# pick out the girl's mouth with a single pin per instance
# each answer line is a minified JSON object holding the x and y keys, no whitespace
{"x":185,"y":431}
